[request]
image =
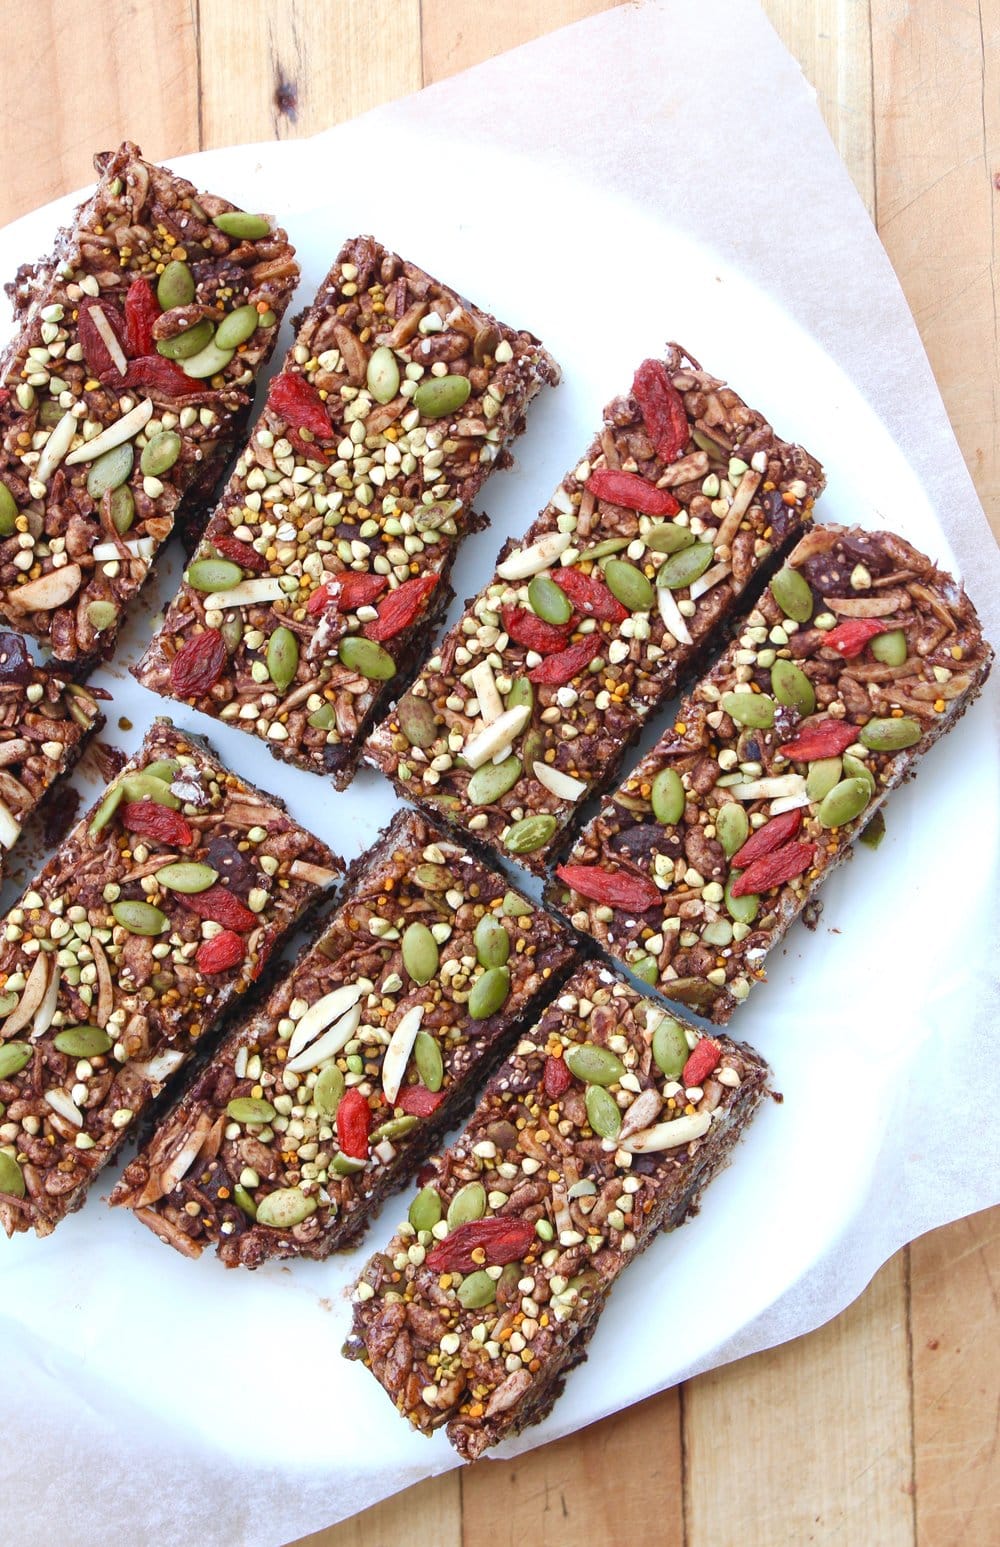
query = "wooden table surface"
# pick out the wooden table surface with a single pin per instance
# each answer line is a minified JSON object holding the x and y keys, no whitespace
{"x":879,"y":1430}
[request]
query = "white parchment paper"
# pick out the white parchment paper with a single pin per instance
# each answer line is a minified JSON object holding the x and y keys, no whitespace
{"x":666,"y":170}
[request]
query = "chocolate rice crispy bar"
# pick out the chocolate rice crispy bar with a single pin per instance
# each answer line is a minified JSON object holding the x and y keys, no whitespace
{"x":599,"y":1131}
{"x":327,"y":561}
{"x":334,"y":1093}
{"x":855,"y":660}
{"x":155,"y":914}
{"x":125,"y":389}
{"x":682,"y":502}
{"x":44,"y":723}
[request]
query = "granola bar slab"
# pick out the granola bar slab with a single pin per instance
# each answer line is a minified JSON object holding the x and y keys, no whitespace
{"x":598,"y":1132}
{"x":331,"y":1096}
{"x":683,"y":501}
{"x":327,"y":560}
{"x":124,"y":390}
{"x":155,"y":914}
{"x":859,"y":655}
{"x":44,"y":723}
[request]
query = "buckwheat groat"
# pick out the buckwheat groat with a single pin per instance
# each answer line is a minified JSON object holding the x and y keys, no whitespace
{"x":124,"y":390}
{"x":856,"y":659}
{"x":599,"y":1131}
{"x":44,"y":722}
{"x":684,"y":499}
{"x":330,"y":1097}
{"x":328,"y":559}
{"x":156,"y":912}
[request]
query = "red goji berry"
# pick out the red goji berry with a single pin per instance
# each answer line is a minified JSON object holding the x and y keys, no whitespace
{"x":827,"y":738}
{"x":850,"y":637}
{"x":198,"y":664}
{"x":662,"y":409}
{"x":633,"y":894}
{"x":590,"y":596}
{"x":141,"y":311}
{"x":401,"y":608}
{"x":771,"y":836}
{"x":96,"y":354}
{"x":241,"y":553}
{"x":159,"y":822}
{"x":496,"y":1242}
{"x":524,"y":628}
{"x":222,"y":907}
{"x":418,"y":1101}
{"x":556,"y":1078}
{"x":773,"y":869}
{"x":559,"y":669}
{"x":635,"y":493}
{"x":297,"y":401}
{"x":4,"y":396}
{"x":265,"y":945}
{"x":354,"y":1124}
{"x":154,"y":374}
{"x":347,"y":592}
{"x":221,"y":952}
{"x":705,"y":1056}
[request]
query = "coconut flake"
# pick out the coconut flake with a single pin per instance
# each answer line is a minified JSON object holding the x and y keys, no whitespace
{"x":61,"y":1103}
{"x":484,"y":683}
{"x":499,"y":735}
{"x":246,"y":593}
{"x":10,"y":827}
{"x":788,"y":803}
{"x":710,"y":578}
{"x":123,"y":429}
{"x":55,"y":448}
{"x":668,"y":1136}
{"x":672,"y":616}
{"x":524,"y":562}
{"x":138,"y":548}
{"x":769,"y":789}
{"x":560,"y":784}
{"x":397,"y":1054}
{"x":111,"y":343}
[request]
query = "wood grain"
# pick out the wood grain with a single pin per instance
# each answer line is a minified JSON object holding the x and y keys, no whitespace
{"x":460,"y":33}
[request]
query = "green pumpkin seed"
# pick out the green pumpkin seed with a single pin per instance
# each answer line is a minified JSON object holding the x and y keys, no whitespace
{"x":232,"y":630}
{"x":670,"y":1049}
{"x":394,"y":1128}
{"x":594,"y":1065}
{"x":425,"y":1211}
{"x":516,"y":907}
{"x":732,"y":828}
{"x":441,"y":395}
{"x":629,"y":585}
{"x":8,"y":1002}
{"x":792,"y":593}
{"x":549,"y":601}
{"x":753,"y":709}
{"x":101,"y":615}
{"x":82,"y":1041}
{"x":475,"y":1291}
{"x":282,"y":658}
{"x":433,"y":878}
{"x":531,"y":833}
{"x":187,"y":877}
{"x":148,"y":785}
{"x":668,"y":538}
{"x":420,"y":953}
{"x":693,"y":992}
{"x":792,"y":687}
{"x":213,"y":575}
{"x":890,"y":648}
{"x":822,"y":776}
{"x":742,"y":909}
{"x":284,"y":1208}
{"x":328,"y":1090}
{"x":8,"y":511}
{"x":890,"y":735}
{"x":190,"y":342}
{"x":250,"y":1109}
{"x":110,"y":471}
{"x":854,"y":768}
{"x":489,"y":993}
{"x":366,"y":658}
{"x":432,"y":518}
{"x":417,"y":721}
{"x":468,"y":1204}
{"x":243,"y":226}
{"x":646,"y":968}
{"x":719,"y":933}
{"x":844,"y":802}
{"x":160,"y":454}
{"x":208,"y":361}
{"x":122,"y":509}
{"x":492,"y":942}
{"x":244,"y":1201}
{"x":533,"y":748}
{"x":236,"y":327}
{"x":324,"y":718}
{"x":668,"y":797}
{"x":14,"y":1056}
{"x":106,"y":810}
{"x":709,"y":444}
{"x":521,"y":695}
{"x":175,"y":286}
{"x":602,"y":1112}
{"x":604,"y":550}
{"x":267,"y":319}
{"x":874,"y":831}
{"x":427,"y":1057}
{"x":493,"y":780}
{"x":139,"y":918}
{"x":50,"y":413}
{"x":685,"y":566}
{"x":347,"y":1165}
{"x":11,"y":1177}
{"x":383,"y":374}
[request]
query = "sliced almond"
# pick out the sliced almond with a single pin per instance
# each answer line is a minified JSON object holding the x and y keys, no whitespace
{"x":322,"y":1014}
{"x":42,"y":1019}
{"x":160,"y":1067}
{"x":397,"y":1054}
{"x":105,"y":987}
{"x":499,"y":735}
{"x":318,"y":875}
{"x":13,"y":793}
{"x":111,"y":343}
{"x":31,"y":997}
{"x":788,"y":803}
{"x":524,"y":562}
{"x":668,"y":1136}
{"x":55,"y":448}
{"x":879,"y":606}
{"x":47,"y":592}
{"x":672,"y":616}
{"x":329,"y":1044}
{"x":163,"y":1179}
{"x":745,"y":491}
{"x":13,"y":751}
{"x":644,"y":1110}
{"x":123,"y":429}
{"x":560,"y":784}
{"x":10,"y":828}
{"x":484,"y":684}
{"x":65,"y":1106}
{"x":710,"y":578}
{"x":769,"y":789}
{"x":246,"y":593}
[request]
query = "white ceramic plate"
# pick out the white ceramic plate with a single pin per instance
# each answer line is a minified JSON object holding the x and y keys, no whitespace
{"x":133,"y":1330}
